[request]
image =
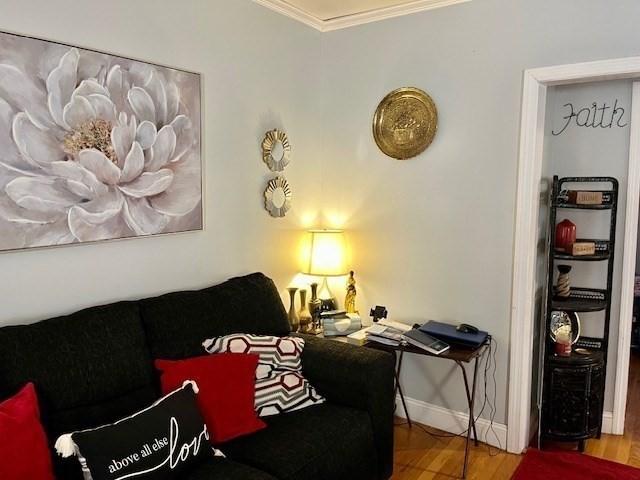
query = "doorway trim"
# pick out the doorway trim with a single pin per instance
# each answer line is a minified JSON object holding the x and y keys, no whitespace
{"x":536,"y":82}
{"x":628,"y":267}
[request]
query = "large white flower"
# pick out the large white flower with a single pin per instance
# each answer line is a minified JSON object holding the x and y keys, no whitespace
{"x":94,"y":157}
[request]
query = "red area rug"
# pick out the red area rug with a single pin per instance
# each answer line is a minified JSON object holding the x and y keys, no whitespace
{"x":538,"y":465}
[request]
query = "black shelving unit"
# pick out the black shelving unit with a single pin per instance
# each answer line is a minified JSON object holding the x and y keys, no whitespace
{"x":573,"y":387}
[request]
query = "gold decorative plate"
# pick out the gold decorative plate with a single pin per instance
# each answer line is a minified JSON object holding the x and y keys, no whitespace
{"x":405,"y":123}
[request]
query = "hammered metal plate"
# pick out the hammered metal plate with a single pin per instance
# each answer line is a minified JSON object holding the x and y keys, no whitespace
{"x":405,"y":123}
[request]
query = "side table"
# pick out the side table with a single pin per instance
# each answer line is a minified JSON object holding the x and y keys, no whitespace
{"x":461,"y":357}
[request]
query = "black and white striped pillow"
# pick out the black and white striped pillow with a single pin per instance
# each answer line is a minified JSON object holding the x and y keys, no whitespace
{"x":285,"y":392}
{"x":276,"y":353}
{"x":280,"y":385}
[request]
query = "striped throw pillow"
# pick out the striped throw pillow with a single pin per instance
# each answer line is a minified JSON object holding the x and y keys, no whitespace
{"x":280,"y":385}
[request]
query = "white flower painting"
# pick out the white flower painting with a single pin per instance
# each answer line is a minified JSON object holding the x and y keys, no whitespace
{"x":94,"y":146}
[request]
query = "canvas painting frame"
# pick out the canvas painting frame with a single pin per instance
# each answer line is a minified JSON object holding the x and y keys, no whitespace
{"x":144,"y":117}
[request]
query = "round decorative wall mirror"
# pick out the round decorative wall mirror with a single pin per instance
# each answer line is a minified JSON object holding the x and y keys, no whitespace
{"x":276,"y":150}
{"x":277,"y":197}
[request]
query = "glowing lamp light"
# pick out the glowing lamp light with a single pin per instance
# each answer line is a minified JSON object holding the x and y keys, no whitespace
{"x":324,"y":253}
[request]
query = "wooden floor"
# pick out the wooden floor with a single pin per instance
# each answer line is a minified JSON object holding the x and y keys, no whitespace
{"x":420,"y":456}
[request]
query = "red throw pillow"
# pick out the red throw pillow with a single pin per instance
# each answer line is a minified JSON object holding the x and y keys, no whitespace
{"x":23,"y":442}
{"x":227,"y":391}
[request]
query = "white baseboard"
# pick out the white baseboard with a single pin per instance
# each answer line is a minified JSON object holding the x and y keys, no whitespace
{"x":452,"y":421}
{"x":455,"y":422}
{"x":607,"y":422}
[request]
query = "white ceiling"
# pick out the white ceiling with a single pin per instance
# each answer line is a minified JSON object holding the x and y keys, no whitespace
{"x":326,"y":15}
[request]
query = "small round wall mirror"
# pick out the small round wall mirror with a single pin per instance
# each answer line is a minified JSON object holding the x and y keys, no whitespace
{"x":276,"y":150}
{"x":277,"y":197}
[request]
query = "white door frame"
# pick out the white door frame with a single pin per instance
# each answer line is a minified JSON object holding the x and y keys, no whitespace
{"x":532,"y":127}
{"x":628,"y":267}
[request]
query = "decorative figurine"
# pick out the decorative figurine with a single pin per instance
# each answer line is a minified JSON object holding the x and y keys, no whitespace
{"x":350,"y":298}
{"x":563,"y":288}
{"x":293,"y":316}
{"x":303,"y":314}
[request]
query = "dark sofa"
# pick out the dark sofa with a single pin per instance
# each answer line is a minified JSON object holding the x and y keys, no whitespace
{"x":96,"y":366}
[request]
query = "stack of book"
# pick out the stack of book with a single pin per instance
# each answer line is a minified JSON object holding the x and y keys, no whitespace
{"x":384,"y":335}
{"x":387,"y":332}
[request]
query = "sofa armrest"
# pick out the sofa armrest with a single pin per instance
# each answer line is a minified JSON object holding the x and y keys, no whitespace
{"x":358,"y":377}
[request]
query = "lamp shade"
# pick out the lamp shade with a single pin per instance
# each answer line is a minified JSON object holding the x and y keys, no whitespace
{"x":324,"y":253}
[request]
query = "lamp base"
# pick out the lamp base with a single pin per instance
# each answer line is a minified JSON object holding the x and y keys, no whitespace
{"x":327,"y":300}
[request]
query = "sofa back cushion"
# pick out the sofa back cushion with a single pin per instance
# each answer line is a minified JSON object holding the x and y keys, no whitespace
{"x":177,"y":323}
{"x":90,"y":368}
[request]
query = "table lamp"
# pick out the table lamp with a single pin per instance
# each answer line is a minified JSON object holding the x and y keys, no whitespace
{"x":325,"y":255}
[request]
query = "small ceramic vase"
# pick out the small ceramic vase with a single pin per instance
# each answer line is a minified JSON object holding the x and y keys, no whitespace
{"x":293,"y":316}
{"x":315,"y":304}
{"x":303,"y":314}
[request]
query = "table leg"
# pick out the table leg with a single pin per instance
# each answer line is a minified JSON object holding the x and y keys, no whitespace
{"x":466,"y":387}
{"x":471,"y":425}
{"x":398,"y":389}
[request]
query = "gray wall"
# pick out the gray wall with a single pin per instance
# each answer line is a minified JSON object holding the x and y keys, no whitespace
{"x":433,"y":236}
{"x":580,"y":151}
{"x":259,"y":70}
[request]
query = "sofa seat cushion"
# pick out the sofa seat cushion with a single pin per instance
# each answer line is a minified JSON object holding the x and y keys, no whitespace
{"x":318,"y":443}
{"x":225,"y":469}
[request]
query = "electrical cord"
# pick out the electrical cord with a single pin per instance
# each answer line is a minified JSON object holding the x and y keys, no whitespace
{"x":489,"y":377}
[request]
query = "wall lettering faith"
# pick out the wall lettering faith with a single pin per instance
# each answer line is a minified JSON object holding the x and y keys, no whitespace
{"x":595,"y":116}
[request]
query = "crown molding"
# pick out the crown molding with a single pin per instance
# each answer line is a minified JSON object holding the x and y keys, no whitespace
{"x":346,"y":21}
{"x":290,"y":11}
